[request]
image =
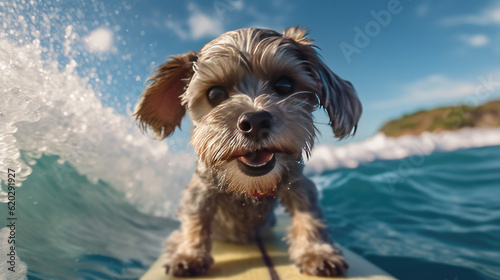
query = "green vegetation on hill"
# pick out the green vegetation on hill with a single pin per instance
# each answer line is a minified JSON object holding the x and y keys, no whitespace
{"x":444,"y":119}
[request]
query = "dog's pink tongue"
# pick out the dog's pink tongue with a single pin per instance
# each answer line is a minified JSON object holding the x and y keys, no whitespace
{"x":257,"y":158}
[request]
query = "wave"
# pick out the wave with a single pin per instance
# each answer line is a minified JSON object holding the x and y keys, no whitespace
{"x":440,"y":216}
{"x":83,"y":230}
{"x":381,"y":147}
{"x":47,"y":108}
{"x":19,"y":268}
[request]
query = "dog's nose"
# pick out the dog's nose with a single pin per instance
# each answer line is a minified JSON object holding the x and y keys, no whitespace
{"x":255,"y":124}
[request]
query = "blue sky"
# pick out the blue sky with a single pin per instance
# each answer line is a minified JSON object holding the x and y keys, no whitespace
{"x":402,"y":56}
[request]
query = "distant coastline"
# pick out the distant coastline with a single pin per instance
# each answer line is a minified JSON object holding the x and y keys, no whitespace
{"x":445,"y":119}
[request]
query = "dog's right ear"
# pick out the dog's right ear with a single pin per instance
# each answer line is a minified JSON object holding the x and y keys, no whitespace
{"x":336,"y":95}
{"x":160,"y":106}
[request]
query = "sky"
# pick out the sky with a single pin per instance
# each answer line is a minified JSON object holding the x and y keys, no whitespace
{"x":402,"y":56}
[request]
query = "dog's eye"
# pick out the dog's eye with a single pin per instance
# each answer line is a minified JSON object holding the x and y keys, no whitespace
{"x":216,"y":95}
{"x":283,"y":86}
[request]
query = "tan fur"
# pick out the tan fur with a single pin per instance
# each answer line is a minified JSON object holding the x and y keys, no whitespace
{"x":160,"y":106}
{"x":220,"y":201}
{"x":298,"y":34}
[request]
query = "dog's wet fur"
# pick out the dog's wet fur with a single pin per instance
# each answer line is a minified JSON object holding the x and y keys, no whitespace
{"x":250,"y":94}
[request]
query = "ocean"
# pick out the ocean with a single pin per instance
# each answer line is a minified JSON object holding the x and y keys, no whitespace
{"x":442,"y":221}
{"x":95,"y":198}
{"x":438,"y":219}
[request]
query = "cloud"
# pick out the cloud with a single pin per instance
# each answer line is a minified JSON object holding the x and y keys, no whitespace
{"x":422,"y":9}
{"x":176,"y":27}
{"x":488,"y":16}
{"x":197,"y":26}
{"x":477,"y":40}
{"x":434,"y":87}
{"x":209,"y":22}
{"x":202,"y":25}
{"x":99,"y":41}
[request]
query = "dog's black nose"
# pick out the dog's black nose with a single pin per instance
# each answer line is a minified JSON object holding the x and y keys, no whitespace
{"x":255,"y":124}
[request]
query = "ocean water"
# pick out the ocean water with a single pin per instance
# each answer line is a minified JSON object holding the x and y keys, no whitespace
{"x":441,"y":220}
{"x":438,"y":218}
{"x":95,"y":197}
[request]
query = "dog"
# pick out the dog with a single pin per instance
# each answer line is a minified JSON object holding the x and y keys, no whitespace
{"x":250,"y":94}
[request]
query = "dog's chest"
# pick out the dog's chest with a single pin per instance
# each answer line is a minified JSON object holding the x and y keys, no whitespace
{"x":237,"y":218}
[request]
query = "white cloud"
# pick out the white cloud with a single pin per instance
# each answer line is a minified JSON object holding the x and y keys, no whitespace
{"x":488,"y":16}
{"x":422,"y":9}
{"x":434,"y":87}
{"x":198,"y":25}
{"x":202,"y":25}
{"x":477,"y":40}
{"x":99,"y":41}
{"x":176,"y":27}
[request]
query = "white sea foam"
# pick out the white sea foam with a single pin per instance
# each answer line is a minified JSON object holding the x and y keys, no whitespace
{"x":11,"y":267}
{"x":47,"y":108}
{"x":381,"y":147}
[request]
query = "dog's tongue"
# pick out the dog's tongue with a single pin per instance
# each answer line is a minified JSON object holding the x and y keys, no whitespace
{"x":257,"y":158}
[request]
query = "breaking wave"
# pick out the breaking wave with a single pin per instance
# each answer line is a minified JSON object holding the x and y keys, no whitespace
{"x":381,"y":147}
{"x":47,"y":108}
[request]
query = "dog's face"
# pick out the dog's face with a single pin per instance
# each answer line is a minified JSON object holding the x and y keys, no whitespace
{"x":250,"y":94}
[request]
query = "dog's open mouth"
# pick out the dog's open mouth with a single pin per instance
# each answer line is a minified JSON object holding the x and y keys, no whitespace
{"x":257,"y":163}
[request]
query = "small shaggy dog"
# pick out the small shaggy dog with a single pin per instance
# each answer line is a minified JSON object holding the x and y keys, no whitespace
{"x":250,"y":94}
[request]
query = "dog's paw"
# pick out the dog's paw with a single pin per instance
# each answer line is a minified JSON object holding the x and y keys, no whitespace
{"x":322,"y":260}
{"x":185,"y":266}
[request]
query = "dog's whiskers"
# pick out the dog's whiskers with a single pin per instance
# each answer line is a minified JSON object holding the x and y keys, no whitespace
{"x":294,"y":95}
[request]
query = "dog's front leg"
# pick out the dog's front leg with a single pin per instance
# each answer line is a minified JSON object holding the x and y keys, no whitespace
{"x":310,"y":247}
{"x":187,"y":250}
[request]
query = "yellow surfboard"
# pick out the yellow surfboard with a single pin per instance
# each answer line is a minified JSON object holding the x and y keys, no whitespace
{"x":247,"y":262}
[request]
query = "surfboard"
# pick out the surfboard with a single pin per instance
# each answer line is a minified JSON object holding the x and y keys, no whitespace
{"x":267,"y":259}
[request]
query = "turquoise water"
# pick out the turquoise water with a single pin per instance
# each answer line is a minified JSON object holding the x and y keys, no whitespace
{"x":439,"y":220}
{"x":70,"y":228}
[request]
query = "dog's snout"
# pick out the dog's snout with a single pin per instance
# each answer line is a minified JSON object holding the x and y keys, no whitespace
{"x":255,"y":124}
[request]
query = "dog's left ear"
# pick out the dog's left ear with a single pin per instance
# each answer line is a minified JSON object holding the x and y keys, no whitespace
{"x":336,"y":95}
{"x":160,"y":106}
